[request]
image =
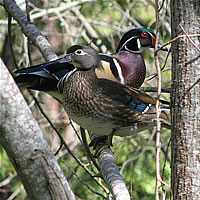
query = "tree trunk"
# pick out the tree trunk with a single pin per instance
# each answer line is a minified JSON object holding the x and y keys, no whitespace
{"x":26,"y":147}
{"x":185,"y":100}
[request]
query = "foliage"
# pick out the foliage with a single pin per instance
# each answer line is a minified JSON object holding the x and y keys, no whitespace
{"x":100,"y":23}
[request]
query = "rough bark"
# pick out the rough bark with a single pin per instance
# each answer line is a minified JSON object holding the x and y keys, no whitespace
{"x":26,"y":147}
{"x":185,"y":100}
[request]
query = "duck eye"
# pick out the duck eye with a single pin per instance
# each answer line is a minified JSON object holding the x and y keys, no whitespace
{"x":78,"y":52}
{"x":144,"y":34}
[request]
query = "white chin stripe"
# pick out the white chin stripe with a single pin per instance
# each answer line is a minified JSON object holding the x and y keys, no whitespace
{"x":138,"y":51}
{"x":138,"y":44}
{"x":119,"y":70}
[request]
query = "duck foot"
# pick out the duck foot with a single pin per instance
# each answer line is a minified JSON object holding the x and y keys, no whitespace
{"x":101,"y":142}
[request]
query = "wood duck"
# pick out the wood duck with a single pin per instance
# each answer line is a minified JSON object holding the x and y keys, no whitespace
{"x":103,"y":106}
{"x":126,"y":66}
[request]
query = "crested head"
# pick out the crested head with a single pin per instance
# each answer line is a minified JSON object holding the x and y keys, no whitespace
{"x":84,"y":57}
{"x":135,"y":40}
{"x":75,"y":47}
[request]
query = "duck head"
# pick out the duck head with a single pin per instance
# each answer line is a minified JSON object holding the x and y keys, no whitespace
{"x":136,"y":40}
{"x":83,"y":57}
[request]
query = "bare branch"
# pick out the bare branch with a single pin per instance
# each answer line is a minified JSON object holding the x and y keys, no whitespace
{"x":15,"y":193}
{"x":110,"y":171}
{"x":111,"y":175}
{"x":155,"y":89}
{"x":176,"y":38}
{"x":30,"y":30}
{"x":61,"y":8}
{"x":8,"y":180}
{"x":82,"y":181}
{"x":158,"y":124}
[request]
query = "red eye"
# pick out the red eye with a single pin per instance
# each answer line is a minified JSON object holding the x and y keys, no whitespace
{"x":144,"y":34}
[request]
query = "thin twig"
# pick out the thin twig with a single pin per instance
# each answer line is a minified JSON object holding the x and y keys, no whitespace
{"x":15,"y":193}
{"x":143,"y":149}
{"x":75,"y":170}
{"x":82,"y":181}
{"x":156,"y":73}
{"x":8,"y":179}
{"x":61,"y":8}
{"x":191,"y":41}
{"x":158,"y":124}
{"x":163,"y":67}
{"x":10,"y":40}
{"x":115,"y":5}
{"x":159,"y":9}
{"x":87,"y":148}
{"x":28,"y":39}
{"x":174,"y":39}
{"x":197,"y":81}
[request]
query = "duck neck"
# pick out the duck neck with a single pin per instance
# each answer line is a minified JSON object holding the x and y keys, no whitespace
{"x":83,"y":79}
{"x":133,"y":68}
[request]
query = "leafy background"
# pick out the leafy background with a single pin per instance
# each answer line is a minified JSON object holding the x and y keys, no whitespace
{"x":101,"y":24}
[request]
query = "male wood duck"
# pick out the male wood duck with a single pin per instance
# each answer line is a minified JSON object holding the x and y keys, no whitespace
{"x":126,"y":66}
{"x":103,"y":106}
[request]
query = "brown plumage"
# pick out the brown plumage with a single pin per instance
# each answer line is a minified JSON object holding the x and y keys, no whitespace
{"x":103,"y":106}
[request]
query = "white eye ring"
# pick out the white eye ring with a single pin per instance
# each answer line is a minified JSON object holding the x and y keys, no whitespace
{"x":80,"y":52}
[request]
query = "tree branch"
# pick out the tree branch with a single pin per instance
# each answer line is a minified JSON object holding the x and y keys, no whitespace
{"x":30,"y":30}
{"x":110,"y":173}
{"x":154,"y":89}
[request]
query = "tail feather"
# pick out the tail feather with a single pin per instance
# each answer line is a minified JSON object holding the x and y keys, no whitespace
{"x":165,"y":121}
{"x":166,"y":125}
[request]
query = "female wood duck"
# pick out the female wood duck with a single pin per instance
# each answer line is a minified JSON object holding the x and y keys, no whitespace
{"x":126,"y":66}
{"x":100,"y":105}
